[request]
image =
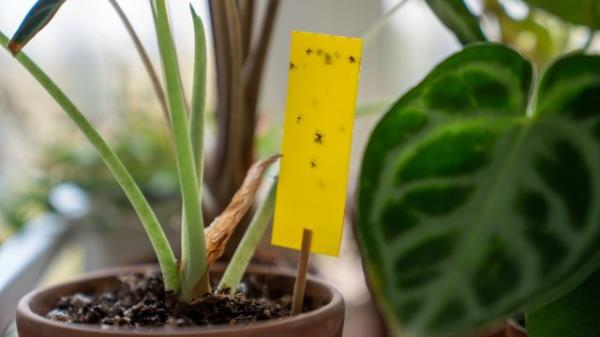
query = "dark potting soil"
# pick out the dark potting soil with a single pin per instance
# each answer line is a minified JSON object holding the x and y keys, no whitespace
{"x":140,"y":301}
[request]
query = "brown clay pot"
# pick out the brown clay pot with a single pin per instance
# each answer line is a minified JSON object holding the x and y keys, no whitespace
{"x":325,"y":321}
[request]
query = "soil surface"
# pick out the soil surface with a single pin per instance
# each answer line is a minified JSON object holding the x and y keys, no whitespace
{"x":140,"y":301}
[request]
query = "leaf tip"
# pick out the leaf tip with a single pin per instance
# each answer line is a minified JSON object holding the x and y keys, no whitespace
{"x":194,"y":14}
{"x":273,"y":158}
{"x":14,"y":47}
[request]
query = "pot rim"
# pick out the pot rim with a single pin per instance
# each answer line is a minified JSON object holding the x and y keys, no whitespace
{"x":25,"y":312}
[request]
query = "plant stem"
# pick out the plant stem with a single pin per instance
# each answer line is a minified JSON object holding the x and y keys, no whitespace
{"x":220,"y":175}
{"x":193,"y":260}
{"x":378,"y":24}
{"x":164,"y":253}
{"x":254,"y":68}
{"x":247,"y":17}
{"x":158,"y":90}
{"x":238,"y":96}
{"x":240,"y":260}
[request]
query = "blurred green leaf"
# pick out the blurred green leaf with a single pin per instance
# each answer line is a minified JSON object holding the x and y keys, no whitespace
{"x":455,"y":15}
{"x":581,"y":12}
{"x":476,"y":199}
{"x":40,"y":14}
{"x":573,"y":315}
{"x":540,"y":36}
{"x":25,"y":201}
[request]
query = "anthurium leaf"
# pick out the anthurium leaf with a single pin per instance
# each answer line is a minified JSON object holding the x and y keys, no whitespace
{"x":469,"y":205}
{"x":455,"y":15}
{"x":581,"y":12}
{"x":40,"y":14}
{"x":573,"y":315}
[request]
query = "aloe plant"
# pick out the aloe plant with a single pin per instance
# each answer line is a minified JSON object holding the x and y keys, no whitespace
{"x":187,"y":277}
{"x":479,"y":193}
{"x":241,"y":42}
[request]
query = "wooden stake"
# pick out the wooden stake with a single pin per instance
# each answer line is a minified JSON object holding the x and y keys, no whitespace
{"x":300,"y":284}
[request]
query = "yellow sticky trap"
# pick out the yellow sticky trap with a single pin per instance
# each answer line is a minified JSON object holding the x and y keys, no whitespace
{"x":317,"y":136}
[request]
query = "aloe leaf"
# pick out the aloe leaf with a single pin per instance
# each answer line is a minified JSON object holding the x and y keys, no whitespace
{"x":193,"y":262}
{"x":581,"y":12}
{"x":455,"y":15}
{"x":245,"y":250}
{"x":475,"y":201}
{"x":164,"y":253}
{"x":573,"y":315}
{"x":38,"y":17}
{"x":198,"y":95}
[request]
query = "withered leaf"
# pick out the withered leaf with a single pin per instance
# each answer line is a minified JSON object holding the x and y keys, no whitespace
{"x":218,"y":233}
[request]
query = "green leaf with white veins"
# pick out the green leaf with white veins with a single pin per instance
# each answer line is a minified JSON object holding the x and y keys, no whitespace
{"x":471,"y":207}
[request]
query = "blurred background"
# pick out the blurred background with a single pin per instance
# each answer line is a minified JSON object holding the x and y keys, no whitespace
{"x":61,"y":213}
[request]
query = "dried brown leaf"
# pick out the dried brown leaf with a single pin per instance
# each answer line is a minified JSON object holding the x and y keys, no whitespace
{"x":218,"y":233}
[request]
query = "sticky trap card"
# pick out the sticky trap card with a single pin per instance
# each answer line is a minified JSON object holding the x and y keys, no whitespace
{"x":319,"y":119}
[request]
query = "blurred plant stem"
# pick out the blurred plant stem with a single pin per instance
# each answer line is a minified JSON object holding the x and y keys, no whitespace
{"x":377,"y":25}
{"x":154,"y":79}
{"x":240,"y":60}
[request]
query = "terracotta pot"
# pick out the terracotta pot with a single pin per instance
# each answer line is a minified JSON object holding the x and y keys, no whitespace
{"x":325,"y":321}
{"x":514,"y":329}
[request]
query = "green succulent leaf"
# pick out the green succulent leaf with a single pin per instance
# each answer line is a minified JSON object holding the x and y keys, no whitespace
{"x":581,"y":12}
{"x":474,"y":201}
{"x":455,"y":15}
{"x":193,"y":250}
{"x":38,"y":17}
{"x":573,"y":315}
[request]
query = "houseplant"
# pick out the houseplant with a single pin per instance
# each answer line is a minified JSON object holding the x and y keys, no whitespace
{"x":236,"y":115}
{"x":177,"y":295}
{"x":478,"y":196}
{"x":242,"y":35}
